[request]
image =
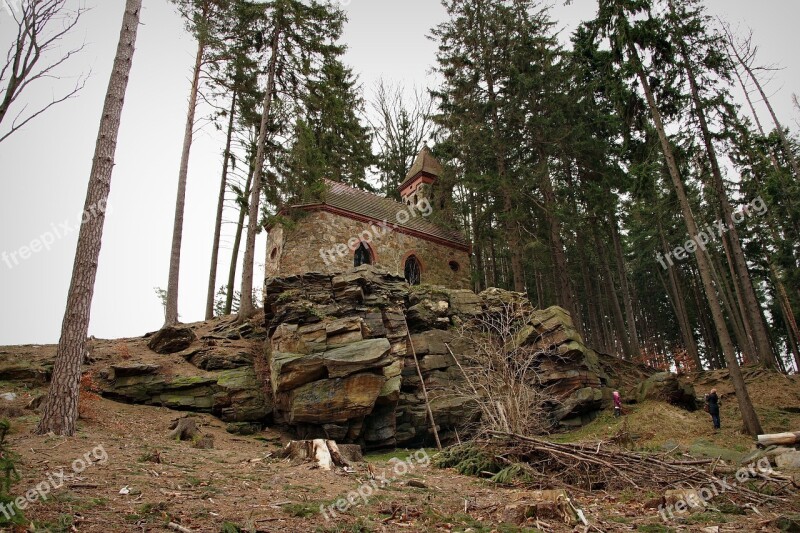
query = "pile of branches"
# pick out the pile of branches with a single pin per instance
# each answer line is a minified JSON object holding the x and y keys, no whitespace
{"x":511,"y":458}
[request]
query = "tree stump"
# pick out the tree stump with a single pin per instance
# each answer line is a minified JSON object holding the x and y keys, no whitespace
{"x":325,"y":454}
{"x":184,"y":429}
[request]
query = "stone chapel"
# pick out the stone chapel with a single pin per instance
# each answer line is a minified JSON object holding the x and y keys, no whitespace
{"x":349,"y":227}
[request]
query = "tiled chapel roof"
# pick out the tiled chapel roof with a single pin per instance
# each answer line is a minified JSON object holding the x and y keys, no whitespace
{"x":368,"y":207}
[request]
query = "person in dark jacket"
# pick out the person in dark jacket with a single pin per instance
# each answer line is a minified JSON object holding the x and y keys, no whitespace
{"x":712,"y":400}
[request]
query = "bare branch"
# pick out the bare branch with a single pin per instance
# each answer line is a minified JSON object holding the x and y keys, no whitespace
{"x":41,"y":26}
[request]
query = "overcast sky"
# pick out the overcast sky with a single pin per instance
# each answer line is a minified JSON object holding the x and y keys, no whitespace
{"x":44,"y":168}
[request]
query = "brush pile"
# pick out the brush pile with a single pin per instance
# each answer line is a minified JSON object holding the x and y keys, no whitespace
{"x":508,"y":458}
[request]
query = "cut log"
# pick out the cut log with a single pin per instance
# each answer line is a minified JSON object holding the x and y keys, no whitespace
{"x":779,"y":438}
{"x":323,"y":453}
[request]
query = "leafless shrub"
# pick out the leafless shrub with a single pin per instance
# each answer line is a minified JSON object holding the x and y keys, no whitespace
{"x":501,"y":377}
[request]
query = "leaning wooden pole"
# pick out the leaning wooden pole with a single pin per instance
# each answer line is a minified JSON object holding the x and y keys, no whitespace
{"x":422,"y":382}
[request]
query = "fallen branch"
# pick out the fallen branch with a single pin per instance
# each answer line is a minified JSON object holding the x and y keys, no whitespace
{"x":178,"y":527}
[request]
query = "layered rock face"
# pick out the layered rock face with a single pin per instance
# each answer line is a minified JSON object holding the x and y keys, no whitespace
{"x":341,"y":366}
{"x":216,"y":374}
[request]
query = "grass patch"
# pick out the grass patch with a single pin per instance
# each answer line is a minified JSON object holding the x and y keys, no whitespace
{"x":706,"y":518}
{"x":708,"y":449}
{"x":401,"y":453}
{"x":300,"y":510}
{"x":654,"y":528}
{"x":63,"y":524}
{"x":363,"y":525}
{"x":152,"y":508}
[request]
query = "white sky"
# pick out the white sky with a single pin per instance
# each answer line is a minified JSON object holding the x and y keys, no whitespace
{"x":44,"y":168}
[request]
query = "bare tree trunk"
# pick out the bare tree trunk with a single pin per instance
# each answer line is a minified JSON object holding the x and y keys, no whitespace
{"x":563,"y":288}
{"x":180,"y":201}
{"x":509,"y":226}
{"x":741,"y":313}
{"x":745,"y":58}
{"x":212,"y":274}
{"x":477,"y":233}
{"x":679,"y":306}
{"x":793,"y":333}
{"x":61,"y":405}
{"x":752,"y":314}
{"x":619,"y":321}
{"x":706,"y":329}
{"x":592,"y":308}
{"x":237,"y":241}
{"x":491,"y":271}
{"x":626,"y":292}
{"x":246,"y":307}
{"x":735,"y":318}
{"x":749,"y":416}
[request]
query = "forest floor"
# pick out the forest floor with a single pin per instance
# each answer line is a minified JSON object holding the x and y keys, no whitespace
{"x":147,"y":480}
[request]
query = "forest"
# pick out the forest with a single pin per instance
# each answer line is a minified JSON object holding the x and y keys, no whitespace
{"x":617,"y":177}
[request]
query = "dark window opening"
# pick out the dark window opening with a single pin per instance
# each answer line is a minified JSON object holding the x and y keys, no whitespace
{"x":415,"y":200}
{"x":454,"y":266}
{"x":273,"y":253}
{"x":362,"y":255}
{"x":413,"y":270}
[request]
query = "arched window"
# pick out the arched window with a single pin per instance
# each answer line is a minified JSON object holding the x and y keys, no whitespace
{"x":362,"y":256}
{"x":413,"y":270}
{"x":454,"y":266}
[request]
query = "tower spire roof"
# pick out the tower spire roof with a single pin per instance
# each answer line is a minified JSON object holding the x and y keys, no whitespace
{"x":425,"y":162}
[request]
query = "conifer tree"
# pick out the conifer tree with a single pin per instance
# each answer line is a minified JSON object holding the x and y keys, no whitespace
{"x":300,"y":35}
{"x":60,"y":412}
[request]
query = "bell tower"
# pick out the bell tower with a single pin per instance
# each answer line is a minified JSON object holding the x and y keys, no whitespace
{"x":420,"y":179}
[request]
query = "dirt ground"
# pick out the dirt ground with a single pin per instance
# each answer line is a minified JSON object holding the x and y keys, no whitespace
{"x":240,"y":484}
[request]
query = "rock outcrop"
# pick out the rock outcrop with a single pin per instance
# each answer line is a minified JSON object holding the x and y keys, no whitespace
{"x":234,"y":395}
{"x":341,"y":366}
{"x":670,"y":388}
{"x":332,"y":359}
{"x":217,"y":374}
{"x":171,"y":339}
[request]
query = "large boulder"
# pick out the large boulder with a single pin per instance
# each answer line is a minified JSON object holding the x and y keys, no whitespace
{"x":356,"y":357}
{"x":171,"y":339}
{"x":334,"y":400}
{"x":788,"y":460}
{"x":667,"y":387}
{"x":290,"y":370}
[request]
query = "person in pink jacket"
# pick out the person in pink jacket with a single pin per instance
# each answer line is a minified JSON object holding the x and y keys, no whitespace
{"x":617,"y":403}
